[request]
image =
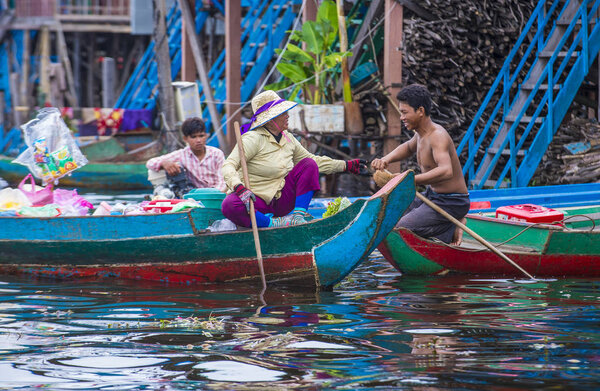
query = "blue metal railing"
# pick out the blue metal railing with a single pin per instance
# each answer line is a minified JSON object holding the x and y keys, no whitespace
{"x":523,"y":102}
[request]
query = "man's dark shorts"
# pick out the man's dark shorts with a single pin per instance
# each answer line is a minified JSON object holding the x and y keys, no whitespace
{"x":426,"y":222}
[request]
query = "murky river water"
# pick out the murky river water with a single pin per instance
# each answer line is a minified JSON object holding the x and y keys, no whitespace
{"x":375,"y":330}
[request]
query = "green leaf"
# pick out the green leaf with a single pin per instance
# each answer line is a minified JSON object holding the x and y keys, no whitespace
{"x":328,"y":33}
{"x":333,"y":59}
{"x":295,"y":54}
{"x":280,"y":85}
{"x":327,"y":12}
{"x":297,"y":36}
{"x":327,"y":19}
{"x":312,"y":37}
{"x":293,"y":96}
{"x":293,"y":72}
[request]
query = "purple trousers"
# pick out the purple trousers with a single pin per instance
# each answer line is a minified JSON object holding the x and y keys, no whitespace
{"x":303,"y":178}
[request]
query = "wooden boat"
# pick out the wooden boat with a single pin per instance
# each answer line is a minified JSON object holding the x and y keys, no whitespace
{"x":555,"y":196}
{"x":542,"y":250}
{"x":178,"y":248}
{"x":115,"y":163}
{"x":486,"y":200}
{"x":96,"y":175}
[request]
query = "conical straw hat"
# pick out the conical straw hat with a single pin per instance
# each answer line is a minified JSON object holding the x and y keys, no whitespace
{"x":274,"y":111}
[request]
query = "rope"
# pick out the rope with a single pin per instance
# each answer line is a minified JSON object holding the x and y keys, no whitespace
{"x":560,"y":222}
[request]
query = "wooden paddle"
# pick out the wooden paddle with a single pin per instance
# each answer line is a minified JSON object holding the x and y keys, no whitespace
{"x":470,"y":232}
{"x":238,"y":138}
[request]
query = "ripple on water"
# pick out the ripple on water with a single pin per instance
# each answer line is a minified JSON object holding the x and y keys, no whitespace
{"x":232,"y":371}
{"x":375,"y":330}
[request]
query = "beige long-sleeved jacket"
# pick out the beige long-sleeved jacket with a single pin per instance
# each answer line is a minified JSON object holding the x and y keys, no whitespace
{"x":270,"y":161}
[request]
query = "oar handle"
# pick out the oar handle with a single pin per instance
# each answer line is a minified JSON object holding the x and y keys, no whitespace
{"x":472,"y":233}
{"x":238,"y":138}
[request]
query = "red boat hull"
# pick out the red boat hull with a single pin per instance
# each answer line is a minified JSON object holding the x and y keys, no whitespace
{"x":487,"y":263}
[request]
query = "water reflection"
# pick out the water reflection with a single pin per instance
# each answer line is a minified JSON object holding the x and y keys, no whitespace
{"x":376,"y":329}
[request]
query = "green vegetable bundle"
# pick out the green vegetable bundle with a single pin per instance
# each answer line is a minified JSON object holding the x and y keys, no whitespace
{"x":337,"y":205}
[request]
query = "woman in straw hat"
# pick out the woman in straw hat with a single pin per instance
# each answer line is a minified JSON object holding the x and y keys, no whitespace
{"x":283,"y":175}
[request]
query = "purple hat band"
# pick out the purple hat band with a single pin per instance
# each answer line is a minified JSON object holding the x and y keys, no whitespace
{"x":260,"y":110}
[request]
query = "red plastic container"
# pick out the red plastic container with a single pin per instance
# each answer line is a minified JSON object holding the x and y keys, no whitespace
{"x":161,"y":206}
{"x":530,"y":213}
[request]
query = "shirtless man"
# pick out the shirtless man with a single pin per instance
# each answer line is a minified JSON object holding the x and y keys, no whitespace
{"x":441,"y":171}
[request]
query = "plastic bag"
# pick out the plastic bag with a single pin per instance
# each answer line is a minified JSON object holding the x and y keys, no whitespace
{"x":50,"y":210}
{"x":51,"y":150}
{"x":189,"y":204}
{"x":71,"y":203}
{"x":222,"y":225}
{"x":37,"y":197}
{"x":12,"y":199}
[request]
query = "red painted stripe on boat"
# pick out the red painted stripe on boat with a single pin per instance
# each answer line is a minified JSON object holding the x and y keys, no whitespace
{"x":187,"y":273}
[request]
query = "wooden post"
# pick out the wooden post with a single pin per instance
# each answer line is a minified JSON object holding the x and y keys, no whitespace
{"x":215,"y":118}
{"x":344,"y":47}
{"x":232,"y":65}
{"x":392,"y":71}
{"x":188,"y":68}
{"x":45,"y":64}
{"x":63,"y":54}
{"x":91,"y":58}
{"x":108,"y":81}
{"x":14,"y":95}
{"x":163,"y":62}
{"x":310,"y":10}
{"x":133,"y":54}
{"x":77,"y":65}
{"x":375,"y":9}
{"x":310,"y":13}
{"x":23,"y":87}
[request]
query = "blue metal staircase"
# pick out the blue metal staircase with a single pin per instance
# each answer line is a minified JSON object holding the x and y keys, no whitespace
{"x":140,"y":92}
{"x":263,"y":27}
{"x":532,"y":93}
{"x":5,"y":77}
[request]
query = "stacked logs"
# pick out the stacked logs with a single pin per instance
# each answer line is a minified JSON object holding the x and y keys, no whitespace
{"x":582,"y":167}
{"x":456,"y":48}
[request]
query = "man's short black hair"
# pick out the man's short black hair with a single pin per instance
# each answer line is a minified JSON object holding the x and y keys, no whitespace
{"x":416,"y":95}
{"x":192,"y":125}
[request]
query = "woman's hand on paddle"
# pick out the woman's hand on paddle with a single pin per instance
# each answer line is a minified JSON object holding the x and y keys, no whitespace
{"x":353,"y":166}
{"x":170,"y":167}
{"x":379,"y":164}
{"x":245,"y":195}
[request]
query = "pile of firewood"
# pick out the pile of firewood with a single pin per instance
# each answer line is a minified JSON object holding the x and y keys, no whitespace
{"x":561,"y":166}
{"x":456,"y":48}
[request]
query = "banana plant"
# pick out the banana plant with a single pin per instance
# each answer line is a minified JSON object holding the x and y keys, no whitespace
{"x":312,"y":68}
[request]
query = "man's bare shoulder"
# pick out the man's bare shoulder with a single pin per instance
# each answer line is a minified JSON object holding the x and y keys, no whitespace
{"x":440,"y":133}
